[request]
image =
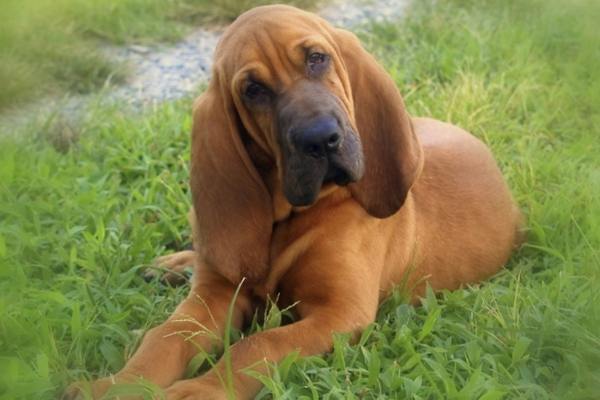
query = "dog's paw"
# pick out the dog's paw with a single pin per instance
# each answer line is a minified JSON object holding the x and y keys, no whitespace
{"x":75,"y":391}
{"x":171,"y":268}
{"x":111,"y":388}
{"x":86,"y":390}
{"x":195,"y":389}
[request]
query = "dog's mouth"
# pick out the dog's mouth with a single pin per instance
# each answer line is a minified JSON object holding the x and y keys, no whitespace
{"x":337,"y":175}
{"x":302,"y":187}
{"x":347,"y":166}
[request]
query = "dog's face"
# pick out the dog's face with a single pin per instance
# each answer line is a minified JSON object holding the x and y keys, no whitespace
{"x":293,"y":102}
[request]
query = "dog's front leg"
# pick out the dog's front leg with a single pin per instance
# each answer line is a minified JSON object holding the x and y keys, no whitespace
{"x":197,"y":323}
{"x":345,"y":303}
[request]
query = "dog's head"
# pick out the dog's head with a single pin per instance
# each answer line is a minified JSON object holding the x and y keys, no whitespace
{"x":306,"y":99}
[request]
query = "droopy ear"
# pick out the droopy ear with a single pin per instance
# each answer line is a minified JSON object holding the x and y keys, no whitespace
{"x":231,"y":202}
{"x":393,"y":155}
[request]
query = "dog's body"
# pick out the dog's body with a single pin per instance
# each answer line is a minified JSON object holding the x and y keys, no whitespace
{"x":424,"y":241}
{"x":317,"y":223}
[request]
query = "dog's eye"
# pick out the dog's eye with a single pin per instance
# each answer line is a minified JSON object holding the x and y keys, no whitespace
{"x":255,"y":91}
{"x":317,"y":63}
{"x":316,"y":58}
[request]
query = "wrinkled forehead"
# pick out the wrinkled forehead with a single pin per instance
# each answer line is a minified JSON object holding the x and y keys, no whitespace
{"x":271,"y":40}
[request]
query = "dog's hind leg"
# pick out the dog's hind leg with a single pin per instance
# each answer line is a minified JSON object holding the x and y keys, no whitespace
{"x":171,"y":267}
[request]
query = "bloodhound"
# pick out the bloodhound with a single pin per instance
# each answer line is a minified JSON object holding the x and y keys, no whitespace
{"x":310,"y":180}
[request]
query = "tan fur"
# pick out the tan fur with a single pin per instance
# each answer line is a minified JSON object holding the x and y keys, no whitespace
{"x":449,"y":218}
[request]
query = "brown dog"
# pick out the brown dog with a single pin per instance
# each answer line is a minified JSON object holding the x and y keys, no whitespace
{"x":309,"y":179}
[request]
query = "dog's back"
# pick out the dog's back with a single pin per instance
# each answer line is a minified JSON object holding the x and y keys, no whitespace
{"x":467,"y":222}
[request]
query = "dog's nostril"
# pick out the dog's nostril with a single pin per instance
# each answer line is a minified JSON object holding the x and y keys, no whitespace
{"x":312,"y":149}
{"x":323,"y":145}
{"x":333,"y":141}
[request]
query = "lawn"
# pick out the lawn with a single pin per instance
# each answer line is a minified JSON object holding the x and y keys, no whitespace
{"x":80,"y":221}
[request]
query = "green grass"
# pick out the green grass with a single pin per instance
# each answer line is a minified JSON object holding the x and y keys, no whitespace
{"x":52,"y":46}
{"x":76,"y":227}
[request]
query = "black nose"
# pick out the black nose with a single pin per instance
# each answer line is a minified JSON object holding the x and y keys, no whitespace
{"x":318,"y":137}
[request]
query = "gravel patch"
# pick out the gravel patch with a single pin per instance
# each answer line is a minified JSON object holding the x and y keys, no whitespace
{"x":165,"y":73}
{"x":168,"y":72}
{"x":353,"y":14}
